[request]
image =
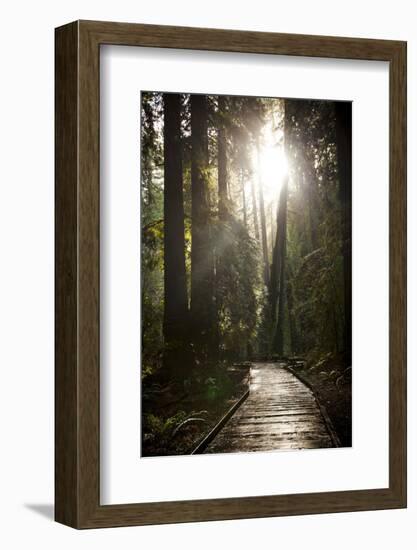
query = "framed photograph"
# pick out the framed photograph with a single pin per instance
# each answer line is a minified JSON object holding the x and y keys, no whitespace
{"x":230,"y":274}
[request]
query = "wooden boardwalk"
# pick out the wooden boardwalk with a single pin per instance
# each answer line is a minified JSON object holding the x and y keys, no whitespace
{"x":280,"y":413}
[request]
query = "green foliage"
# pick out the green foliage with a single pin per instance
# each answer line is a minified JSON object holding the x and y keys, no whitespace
{"x":314,"y":320}
{"x":152,"y":293}
{"x":315,"y":234}
{"x":238,"y":288}
{"x":159,"y":432}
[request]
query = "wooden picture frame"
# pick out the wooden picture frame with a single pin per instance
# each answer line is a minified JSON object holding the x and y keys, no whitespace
{"x":77,"y":404}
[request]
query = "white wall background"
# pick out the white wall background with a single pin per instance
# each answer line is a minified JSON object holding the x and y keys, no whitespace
{"x":26,"y":274}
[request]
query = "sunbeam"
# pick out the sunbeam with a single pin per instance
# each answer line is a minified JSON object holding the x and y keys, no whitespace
{"x":273,"y":169}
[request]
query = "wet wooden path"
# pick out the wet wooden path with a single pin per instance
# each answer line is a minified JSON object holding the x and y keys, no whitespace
{"x":280,"y":413}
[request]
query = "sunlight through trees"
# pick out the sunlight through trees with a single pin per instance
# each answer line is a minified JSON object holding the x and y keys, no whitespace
{"x":246,"y":236}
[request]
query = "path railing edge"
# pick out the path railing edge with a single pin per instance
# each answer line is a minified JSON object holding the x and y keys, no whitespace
{"x":327,"y":420}
{"x":207,"y":439}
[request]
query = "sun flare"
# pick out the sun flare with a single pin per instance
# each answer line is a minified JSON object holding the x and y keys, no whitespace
{"x":273,"y":169}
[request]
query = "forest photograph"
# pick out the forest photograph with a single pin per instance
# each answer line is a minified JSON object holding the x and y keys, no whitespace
{"x":246,"y":284}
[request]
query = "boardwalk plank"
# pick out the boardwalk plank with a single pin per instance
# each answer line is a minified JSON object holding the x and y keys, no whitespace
{"x":280,"y":413}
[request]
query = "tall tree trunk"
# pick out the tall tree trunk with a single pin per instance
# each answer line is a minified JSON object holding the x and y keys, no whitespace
{"x":280,"y":237}
{"x":222,"y":242}
{"x":242,"y":183}
{"x":148,"y":143}
{"x":310,"y":187}
{"x":254,"y":209}
{"x":291,"y":314}
{"x":202,"y":260}
{"x":175,"y":284}
{"x":273,"y":229}
{"x":343,"y":111}
{"x":280,"y":267}
{"x":263,"y":221}
{"x":278,"y":271}
{"x":222,"y":160}
{"x":275,"y":272}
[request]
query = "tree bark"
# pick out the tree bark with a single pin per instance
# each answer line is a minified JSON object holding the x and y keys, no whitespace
{"x":278,"y":279}
{"x":175,"y":284}
{"x":272,"y":232}
{"x":263,"y":221}
{"x":278,"y":271}
{"x":310,"y":186}
{"x":222,"y":159}
{"x":343,"y":112}
{"x":202,"y":258}
{"x":291,"y":315}
{"x":242,"y":183}
{"x":148,"y":137}
{"x":255,"y":210}
{"x":222,"y":244}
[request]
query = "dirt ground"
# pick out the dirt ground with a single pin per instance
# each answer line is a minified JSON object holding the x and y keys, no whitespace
{"x":333,"y":385}
{"x":175,"y":419}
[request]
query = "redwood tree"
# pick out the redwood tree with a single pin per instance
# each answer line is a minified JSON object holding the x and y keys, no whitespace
{"x":343,"y":112}
{"x":202,"y":258}
{"x":175,"y":284}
